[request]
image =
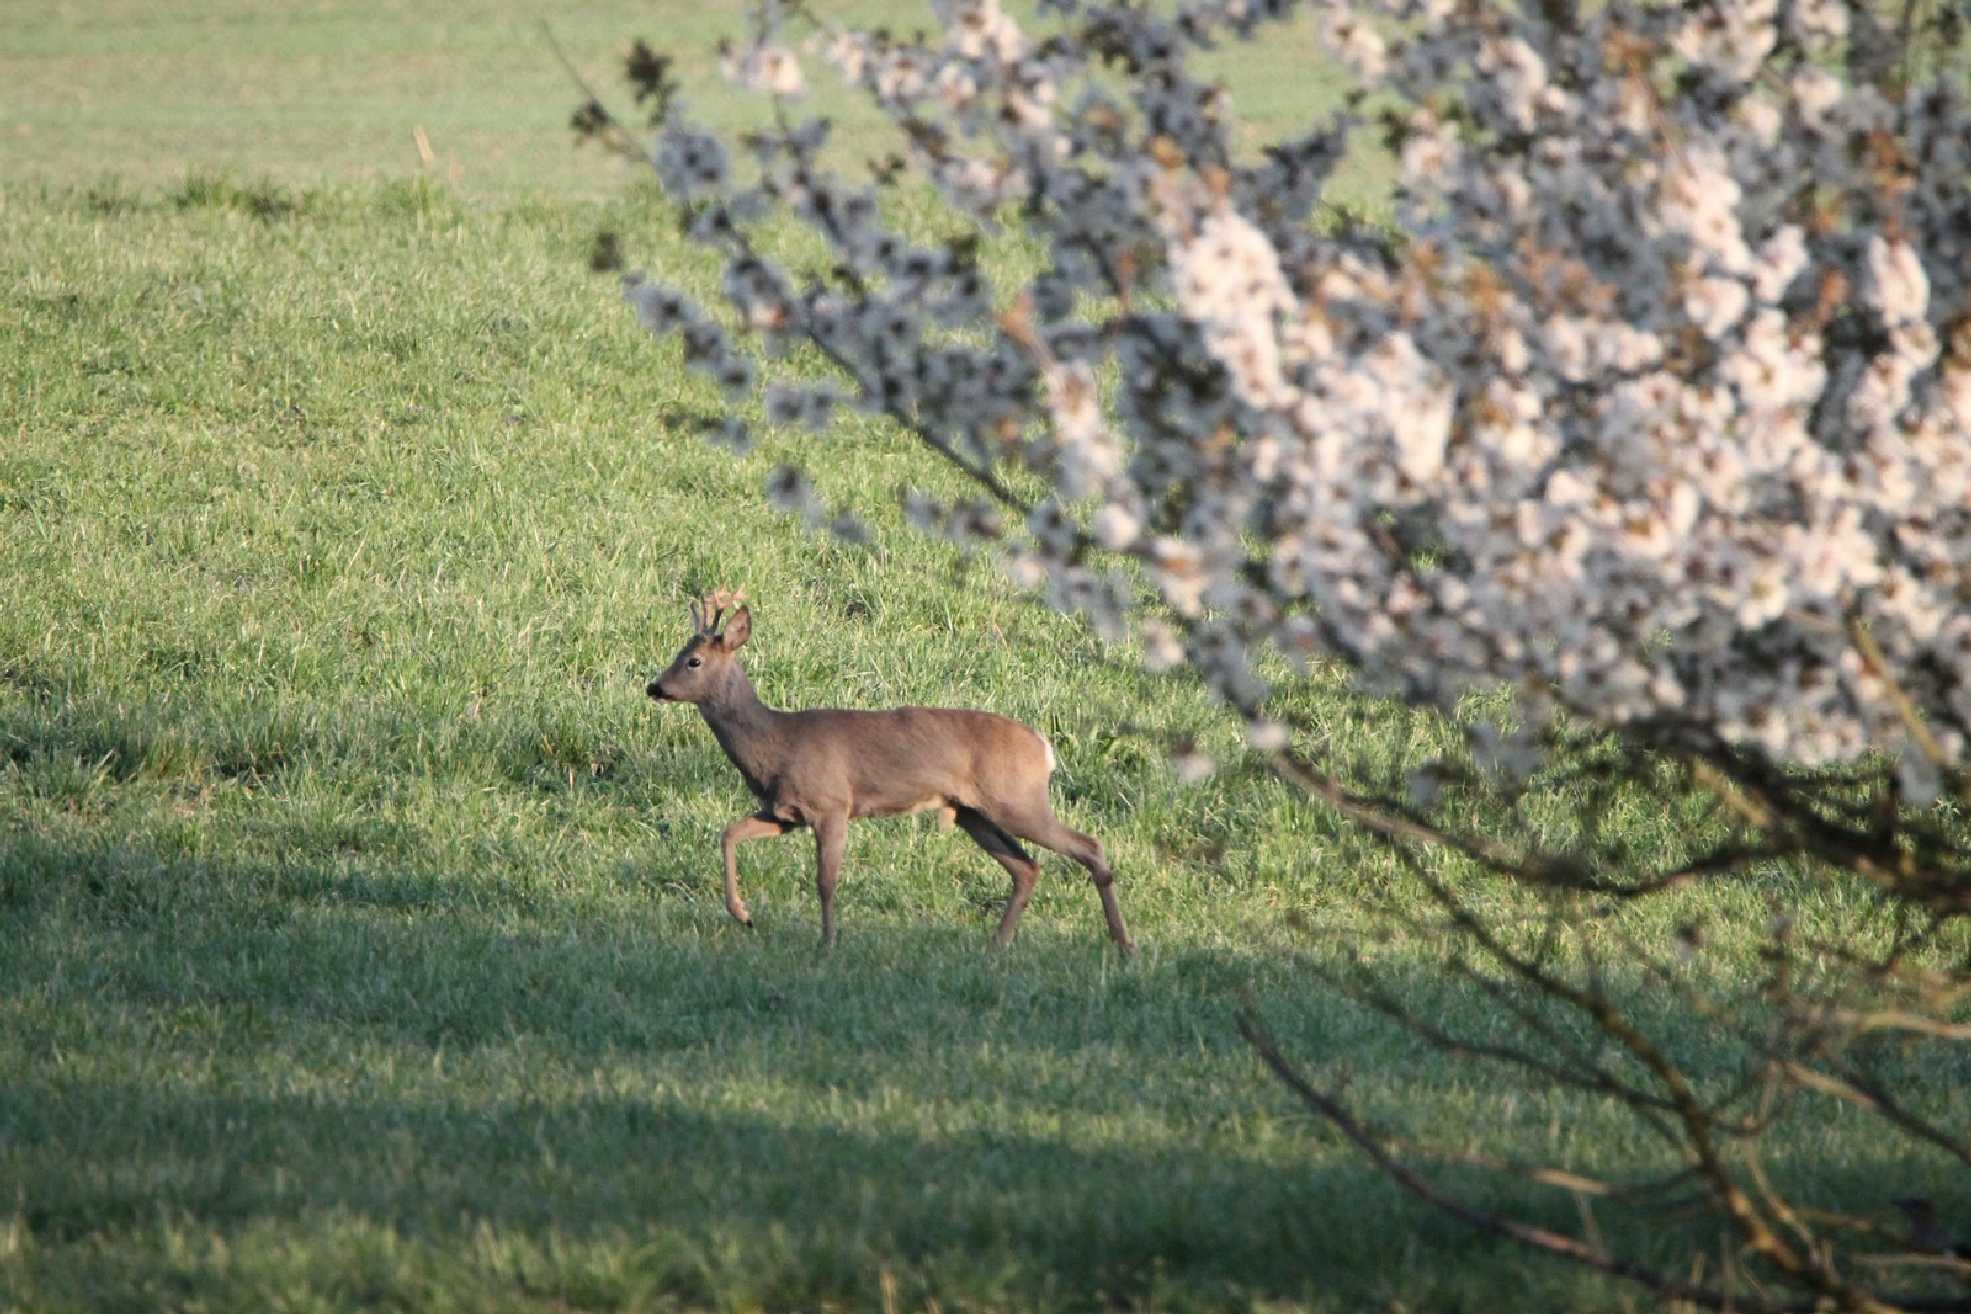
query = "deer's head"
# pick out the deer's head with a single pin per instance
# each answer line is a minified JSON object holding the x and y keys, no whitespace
{"x":701,"y":668}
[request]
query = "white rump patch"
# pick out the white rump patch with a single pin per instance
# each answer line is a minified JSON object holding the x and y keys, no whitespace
{"x":1046,"y":748}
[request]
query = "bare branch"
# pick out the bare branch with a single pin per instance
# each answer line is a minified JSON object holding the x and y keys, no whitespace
{"x":1539,"y":1239}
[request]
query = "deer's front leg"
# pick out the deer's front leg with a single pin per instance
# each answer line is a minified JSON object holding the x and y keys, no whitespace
{"x":830,"y":834}
{"x":757,"y":826}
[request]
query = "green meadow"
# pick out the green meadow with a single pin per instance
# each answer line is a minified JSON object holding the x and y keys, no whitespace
{"x":361,"y":944}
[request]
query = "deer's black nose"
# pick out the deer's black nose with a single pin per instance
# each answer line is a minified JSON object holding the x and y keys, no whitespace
{"x":653,"y":690}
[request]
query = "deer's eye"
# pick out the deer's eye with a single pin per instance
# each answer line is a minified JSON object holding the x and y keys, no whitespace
{"x":694,"y":662}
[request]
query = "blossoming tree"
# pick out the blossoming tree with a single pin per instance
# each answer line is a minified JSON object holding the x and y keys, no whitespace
{"x":1651,"y":406}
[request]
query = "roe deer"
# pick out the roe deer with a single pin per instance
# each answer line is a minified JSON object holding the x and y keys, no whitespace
{"x":825,"y":768}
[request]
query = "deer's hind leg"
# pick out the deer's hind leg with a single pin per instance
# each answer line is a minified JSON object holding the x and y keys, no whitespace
{"x":1034,"y":821}
{"x":1017,"y":862}
{"x":831,"y":832}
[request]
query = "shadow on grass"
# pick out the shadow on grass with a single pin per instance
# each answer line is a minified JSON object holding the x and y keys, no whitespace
{"x":1082,"y":1220}
{"x":234,"y":1048}
{"x":744,"y":1119}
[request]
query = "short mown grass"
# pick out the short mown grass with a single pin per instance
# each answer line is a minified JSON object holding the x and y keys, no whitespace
{"x":360,"y":939}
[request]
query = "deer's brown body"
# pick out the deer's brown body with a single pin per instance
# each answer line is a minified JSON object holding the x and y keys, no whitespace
{"x":823,"y":768}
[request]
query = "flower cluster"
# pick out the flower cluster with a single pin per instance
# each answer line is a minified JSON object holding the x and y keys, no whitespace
{"x":1656,"y":407}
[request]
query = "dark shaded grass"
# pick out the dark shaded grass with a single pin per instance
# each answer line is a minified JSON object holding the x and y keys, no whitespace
{"x":216,"y":1053}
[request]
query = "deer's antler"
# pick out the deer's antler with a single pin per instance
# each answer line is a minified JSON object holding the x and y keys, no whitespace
{"x":706,"y":615}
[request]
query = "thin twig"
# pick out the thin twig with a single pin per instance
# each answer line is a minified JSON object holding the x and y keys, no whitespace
{"x":1535,"y":1238}
{"x":619,"y":138}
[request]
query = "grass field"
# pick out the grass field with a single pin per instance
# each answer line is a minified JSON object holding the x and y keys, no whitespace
{"x":305,"y":91}
{"x":360,"y":939}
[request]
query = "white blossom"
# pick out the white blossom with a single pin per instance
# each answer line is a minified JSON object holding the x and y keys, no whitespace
{"x":1266,"y":735}
{"x":1191,"y":765}
{"x":1621,"y":411}
{"x":1716,"y":304}
{"x":1116,"y":527}
{"x":1162,"y":649}
{"x":1898,"y":286}
{"x":768,"y":68}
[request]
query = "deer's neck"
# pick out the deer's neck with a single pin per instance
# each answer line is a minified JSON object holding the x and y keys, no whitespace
{"x":747,"y":729}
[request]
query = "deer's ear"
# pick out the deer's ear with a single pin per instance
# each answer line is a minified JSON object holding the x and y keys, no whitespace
{"x":737,"y":630}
